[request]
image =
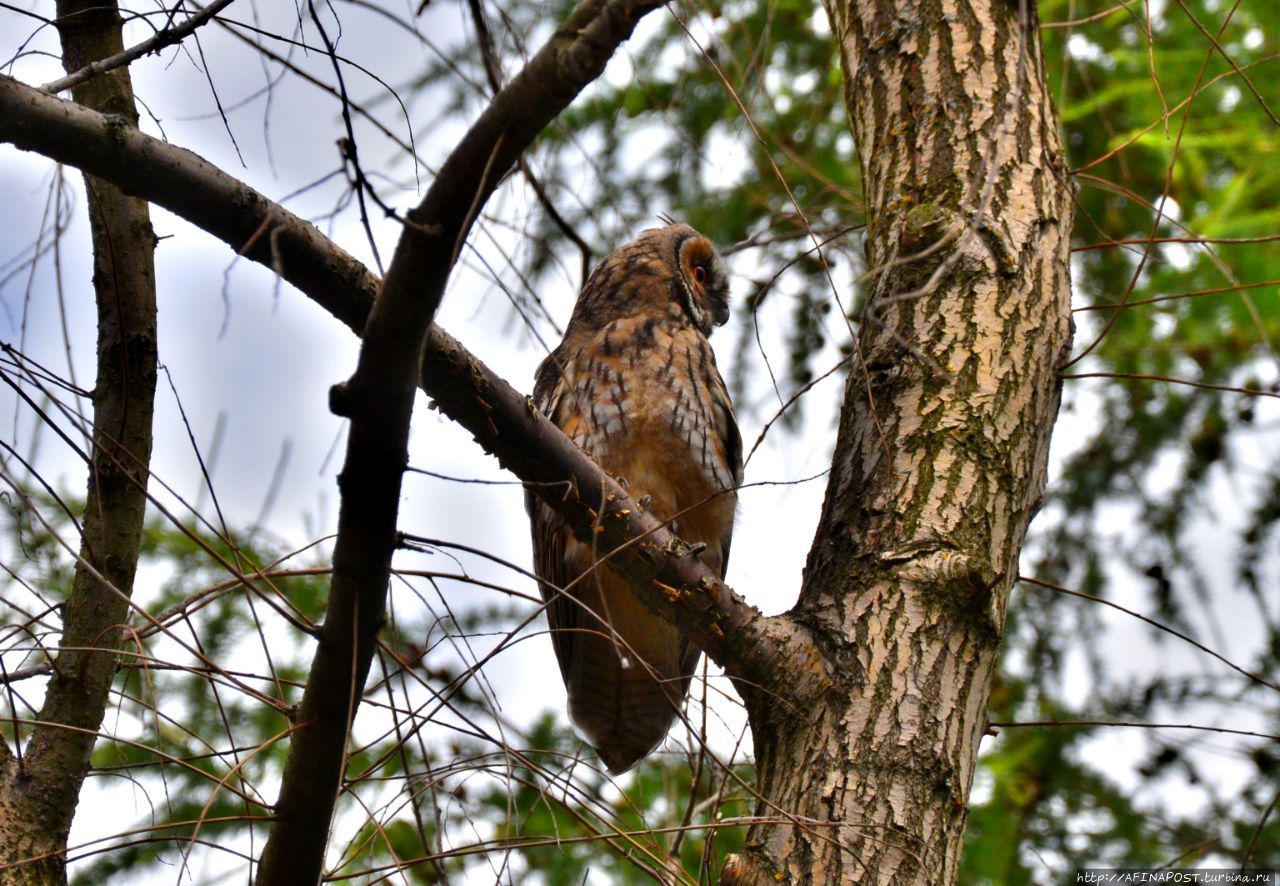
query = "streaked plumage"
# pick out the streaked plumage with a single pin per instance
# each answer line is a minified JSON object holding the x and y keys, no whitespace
{"x":634,"y":383}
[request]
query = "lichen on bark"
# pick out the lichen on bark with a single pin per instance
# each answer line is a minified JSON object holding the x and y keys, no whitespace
{"x":942,"y":448}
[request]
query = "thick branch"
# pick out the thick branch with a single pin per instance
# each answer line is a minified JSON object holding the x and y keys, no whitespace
{"x":255,"y":227}
{"x":40,"y":790}
{"x":465,"y":389}
{"x":670,"y":581}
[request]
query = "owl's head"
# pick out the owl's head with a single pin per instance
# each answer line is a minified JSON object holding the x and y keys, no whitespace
{"x":701,"y":283}
{"x":673,"y":272}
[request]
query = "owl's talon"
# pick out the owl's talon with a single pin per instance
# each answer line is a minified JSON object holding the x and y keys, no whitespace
{"x":644,"y":502}
{"x":622,"y":481}
{"x":678,"y":547}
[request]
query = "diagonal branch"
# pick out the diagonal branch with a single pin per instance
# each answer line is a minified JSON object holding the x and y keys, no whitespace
{"x":193,"y":188}
{"x":465,"y":389}
{"x":751,"y":647}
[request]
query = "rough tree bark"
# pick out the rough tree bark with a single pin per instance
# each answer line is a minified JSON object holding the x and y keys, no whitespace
{"x":40,"y":785}
{"x":941,"y":455}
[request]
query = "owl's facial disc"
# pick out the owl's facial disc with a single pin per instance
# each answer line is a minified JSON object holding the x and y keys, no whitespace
{"x":704,"y":284}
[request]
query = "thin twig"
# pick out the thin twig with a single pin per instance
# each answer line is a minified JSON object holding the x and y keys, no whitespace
{"x":158,"y":41}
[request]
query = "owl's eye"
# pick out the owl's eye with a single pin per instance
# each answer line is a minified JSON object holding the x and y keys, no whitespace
{"x":700,"y":274}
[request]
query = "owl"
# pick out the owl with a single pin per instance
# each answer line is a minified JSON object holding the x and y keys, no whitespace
{"x":635,"y":384}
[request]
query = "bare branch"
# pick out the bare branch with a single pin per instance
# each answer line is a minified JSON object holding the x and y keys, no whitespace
{"x":235,"y":213}
{"x":1135,"y":376}
{"x":667,"y":578}
{"x":156,"y":42}
{"x":193,"y":188}
{"x":731,"y":632}
{"x":1263,"y":681}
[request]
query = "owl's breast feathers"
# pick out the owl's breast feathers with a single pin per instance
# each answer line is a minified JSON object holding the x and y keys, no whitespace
{"x":643,"y":389}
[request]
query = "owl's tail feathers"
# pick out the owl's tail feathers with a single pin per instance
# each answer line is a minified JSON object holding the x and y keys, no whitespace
{"x":619,"y":758}
{"x":626,"y":670}
{"x":624,"y":709}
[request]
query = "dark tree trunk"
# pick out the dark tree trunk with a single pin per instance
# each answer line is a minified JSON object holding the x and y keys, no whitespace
{"x":40,"y":786}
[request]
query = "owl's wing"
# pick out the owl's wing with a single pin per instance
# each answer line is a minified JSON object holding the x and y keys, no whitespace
{"x":564,"y":615}
{"x":550,"y":533}
{"x":726,"y":427}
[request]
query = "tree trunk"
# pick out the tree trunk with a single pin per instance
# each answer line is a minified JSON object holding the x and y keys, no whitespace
{"x":40,"y":787}
{"x":941,"y":456}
